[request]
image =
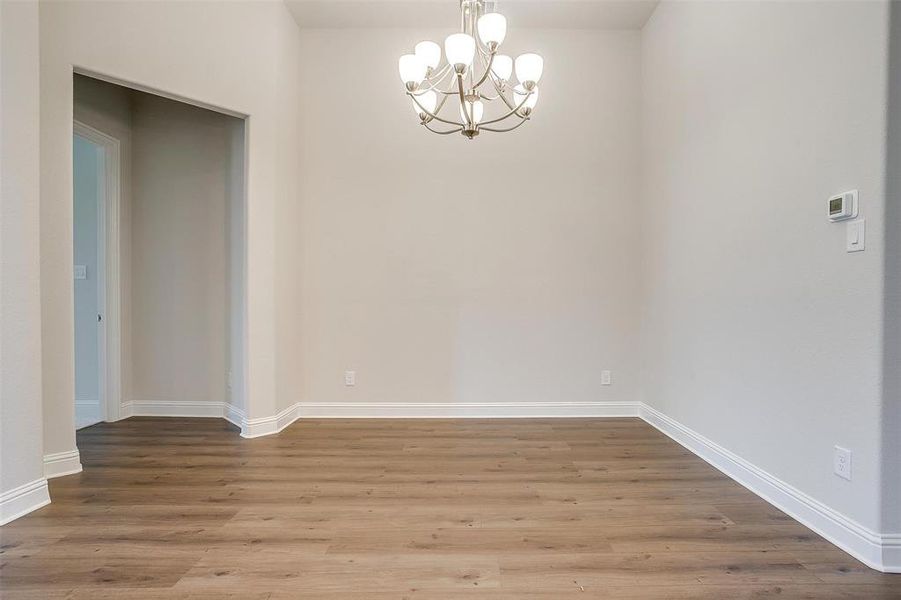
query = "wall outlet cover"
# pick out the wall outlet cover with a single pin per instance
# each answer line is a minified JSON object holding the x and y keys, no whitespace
{"x":350,"y":378}
{"x":841,"y":462}
{"x":606,"y":378}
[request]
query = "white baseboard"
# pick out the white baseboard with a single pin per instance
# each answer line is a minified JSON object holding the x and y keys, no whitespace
{"x":259,"y":427}
{"x":347,"y":410}
{"x":486,"y":410}
{"x":234,"y":415}
{"x":62,"y":463}
{"x":20,"y":501}
{"x":171,"y":408}
{"x":876,"y":550}
{"x":891,"y":552}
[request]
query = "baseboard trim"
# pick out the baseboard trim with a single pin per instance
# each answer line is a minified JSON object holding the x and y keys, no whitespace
{"x":252,"y":428}
{"x":259,"y":427}
{"x":878,"y":551}
{"x":234,"y":415}
{"x":484,"y":410}
{"x":891,"y":552}
{"x":62,"y":463}
{"x":24,"y":499}
{"x":170,"y":408}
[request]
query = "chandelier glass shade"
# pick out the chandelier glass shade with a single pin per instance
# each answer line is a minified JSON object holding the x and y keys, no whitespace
{"x":473,"y":76}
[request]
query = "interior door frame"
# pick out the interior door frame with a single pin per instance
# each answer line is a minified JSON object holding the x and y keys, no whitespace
{"x":109,"y":300}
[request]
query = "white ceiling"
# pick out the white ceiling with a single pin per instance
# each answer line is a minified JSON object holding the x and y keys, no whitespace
{"x":580,"y":14}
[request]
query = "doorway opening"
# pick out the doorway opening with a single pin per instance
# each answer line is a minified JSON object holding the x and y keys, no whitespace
{"x":159,"y":252}
{"x":96,"y":173}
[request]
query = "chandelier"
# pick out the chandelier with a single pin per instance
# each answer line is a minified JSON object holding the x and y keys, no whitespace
{"x":474,"y":74}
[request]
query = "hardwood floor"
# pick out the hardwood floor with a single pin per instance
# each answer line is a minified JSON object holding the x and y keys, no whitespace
{"x":390,"y":509}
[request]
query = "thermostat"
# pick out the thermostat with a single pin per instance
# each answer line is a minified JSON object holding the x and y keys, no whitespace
{"x":842,"y":206}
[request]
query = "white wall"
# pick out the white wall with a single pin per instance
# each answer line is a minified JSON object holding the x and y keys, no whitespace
{"x":437,"y":282}
{"x":180,"y":173}
{"x":761,"y":332}
{"x":87,"y":167}
{"x":236,"y":186}
{"x":20,"y":319}
{"x":239,"y":56}
{"x":891,"y":418}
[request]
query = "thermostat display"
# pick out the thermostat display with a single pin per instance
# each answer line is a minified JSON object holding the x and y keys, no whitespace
{"x":843,"y":206}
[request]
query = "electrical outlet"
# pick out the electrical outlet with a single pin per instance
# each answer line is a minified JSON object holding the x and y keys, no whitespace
{"x":606,"y":378}
{"x":350,"y":378}
{"x":841,"y":462}
{"x":228,"y":380}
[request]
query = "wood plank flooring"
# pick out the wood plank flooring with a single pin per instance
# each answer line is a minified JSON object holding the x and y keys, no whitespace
{"x":407,"y":509}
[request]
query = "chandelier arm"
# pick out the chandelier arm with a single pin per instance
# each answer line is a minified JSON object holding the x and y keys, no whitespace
{"x":480,"y":55}
{"x":482,"y":58}
{"x":448,"y":132}
{"x":432,"y":115}
{"x":466,"y":113}
{"x":440,"y":74}
{"x":487,"y":70}
{"x":515,"y":111}
{"x":433,"y":85}
{"x":440,"y":106}
{"x":520,"y":124}
{"x":448,"y":92}
{"x":452,"y":91}
{"x":481,"y":46}
{"x":500,"y":93}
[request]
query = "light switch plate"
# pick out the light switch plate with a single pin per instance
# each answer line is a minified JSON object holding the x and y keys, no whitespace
{"x":856,"y":235}
{"x":81,"y":272}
